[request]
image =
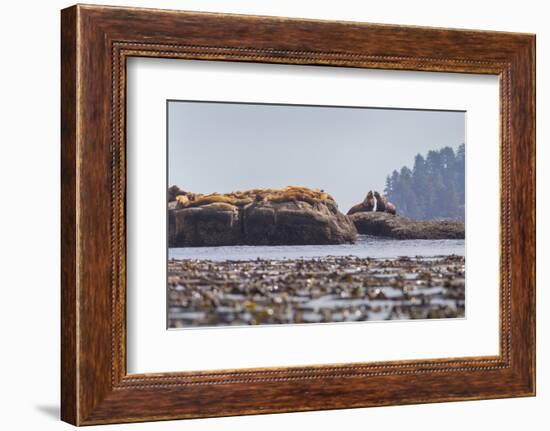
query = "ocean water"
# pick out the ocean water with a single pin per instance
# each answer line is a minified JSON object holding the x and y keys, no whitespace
{"x":366,"y":246}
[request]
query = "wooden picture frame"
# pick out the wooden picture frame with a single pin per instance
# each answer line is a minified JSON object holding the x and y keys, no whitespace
{"x":95,"y":43}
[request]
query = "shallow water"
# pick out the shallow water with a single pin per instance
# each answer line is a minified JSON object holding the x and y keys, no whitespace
{"x":366,"y":246}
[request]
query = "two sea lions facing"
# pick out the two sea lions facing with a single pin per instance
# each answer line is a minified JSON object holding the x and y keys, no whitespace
{"x":374,"y":202}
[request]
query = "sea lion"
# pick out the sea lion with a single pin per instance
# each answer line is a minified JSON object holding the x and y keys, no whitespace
{"x":366,"y":206}
{"x":182,"y":201}
{"x":380,"y":202}
{"x":384,"y":205}
{"x":369,"y":202}
{"x":390,"y":208}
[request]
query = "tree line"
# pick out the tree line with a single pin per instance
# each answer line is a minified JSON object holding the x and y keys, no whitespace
{"x":433,"y":189}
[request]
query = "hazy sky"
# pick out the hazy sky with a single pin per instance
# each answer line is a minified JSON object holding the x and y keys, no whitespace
{"x":221,"y":147}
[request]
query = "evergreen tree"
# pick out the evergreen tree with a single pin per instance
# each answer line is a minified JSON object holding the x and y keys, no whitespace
{"x":420,"y":182}
{"x":388,"y":187}
{"x":460,"y":168}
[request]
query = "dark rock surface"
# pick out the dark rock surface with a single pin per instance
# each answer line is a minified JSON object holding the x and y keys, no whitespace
{"x":393,"y":226}
{"x":208,"y":225}
{"x":291,"y":216}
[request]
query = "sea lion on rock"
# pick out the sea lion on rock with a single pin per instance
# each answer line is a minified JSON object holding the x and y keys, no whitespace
{"x":369,"y":202}
{"x":384,"y":205}
{"x":181,"y":201}
{"x":366,"y":206}
{"x":390,"y":208}
{"x":380,"y":202}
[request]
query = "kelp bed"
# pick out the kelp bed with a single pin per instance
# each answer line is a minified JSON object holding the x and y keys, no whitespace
{"x":320,"y":290}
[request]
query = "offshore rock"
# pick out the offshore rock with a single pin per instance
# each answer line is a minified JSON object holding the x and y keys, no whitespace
{"x":289,"y":216}
{"x":398,"y":227}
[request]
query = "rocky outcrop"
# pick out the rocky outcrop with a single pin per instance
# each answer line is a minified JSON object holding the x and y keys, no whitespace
{"x":393,"y":226}
{"x":378,"y":217}
{"x":289,"y":216}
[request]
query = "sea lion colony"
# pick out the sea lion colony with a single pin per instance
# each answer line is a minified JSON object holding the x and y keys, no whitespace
{"x":182,"y":199}
{"x":185,"y":199}
{"x":292,"y":215}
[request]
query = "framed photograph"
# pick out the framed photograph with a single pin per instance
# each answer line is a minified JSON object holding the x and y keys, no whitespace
{"x":322,"y":214}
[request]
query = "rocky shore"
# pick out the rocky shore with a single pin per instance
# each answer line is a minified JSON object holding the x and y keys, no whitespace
{"x":328,"y":289}
{"x":289,"y":216}
{"x":397,"y":227}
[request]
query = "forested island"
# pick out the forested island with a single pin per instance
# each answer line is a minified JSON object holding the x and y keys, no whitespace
{"x":433,"y":189}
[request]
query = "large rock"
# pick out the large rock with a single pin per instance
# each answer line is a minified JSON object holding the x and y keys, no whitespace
{"x":393,"y":226}
{"x":208,"y":225}
{"x":291,"y":216}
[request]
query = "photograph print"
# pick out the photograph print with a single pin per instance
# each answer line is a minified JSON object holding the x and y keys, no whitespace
{"x":302,"y":214}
